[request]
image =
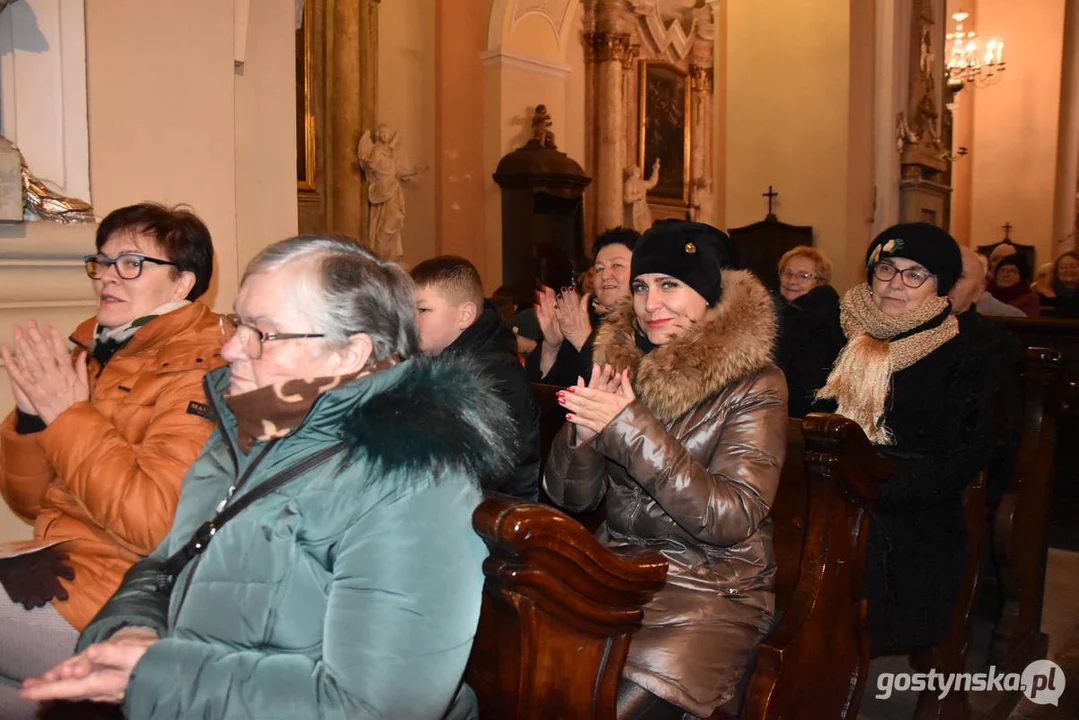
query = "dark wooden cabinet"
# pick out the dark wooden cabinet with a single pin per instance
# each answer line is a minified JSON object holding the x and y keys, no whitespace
{"x":542,"y":217}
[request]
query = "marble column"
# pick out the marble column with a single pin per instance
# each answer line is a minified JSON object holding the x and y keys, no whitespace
{"x":353,"y":100}
{"x":1066,"y":204}
{"x":609,"y":51}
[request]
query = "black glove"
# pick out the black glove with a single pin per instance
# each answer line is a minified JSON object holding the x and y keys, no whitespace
{"x":32,"y":580}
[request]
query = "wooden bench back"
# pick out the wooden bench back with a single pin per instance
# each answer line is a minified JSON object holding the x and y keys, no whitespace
{"x":818,"y":654}
{"x":558,"y":611}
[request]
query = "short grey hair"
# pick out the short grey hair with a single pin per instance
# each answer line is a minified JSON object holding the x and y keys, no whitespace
{"x":351,"y":291}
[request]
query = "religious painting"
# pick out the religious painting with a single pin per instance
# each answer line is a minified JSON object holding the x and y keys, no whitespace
{"x":305,"y":116}
{"x":665,"y":130}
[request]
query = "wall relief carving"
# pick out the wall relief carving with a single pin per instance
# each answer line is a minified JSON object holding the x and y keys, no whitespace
{"x":556,"y":12}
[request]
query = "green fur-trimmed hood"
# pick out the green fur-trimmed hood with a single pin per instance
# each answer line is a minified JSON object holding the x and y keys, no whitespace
{"x":435,"y":414}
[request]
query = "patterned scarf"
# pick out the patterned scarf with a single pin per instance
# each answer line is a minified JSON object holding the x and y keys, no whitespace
{"x":276,"y":410}
{"x":878,"y":346}
{"x":107,"y":341}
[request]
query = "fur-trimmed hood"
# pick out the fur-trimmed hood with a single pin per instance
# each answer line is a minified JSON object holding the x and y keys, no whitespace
{"x":734,"y":340}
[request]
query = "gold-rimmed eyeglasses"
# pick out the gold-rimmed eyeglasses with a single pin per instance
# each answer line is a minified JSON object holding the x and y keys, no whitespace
{"x":251,"y":338}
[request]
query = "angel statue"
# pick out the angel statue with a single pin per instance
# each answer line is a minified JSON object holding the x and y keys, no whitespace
{"x":635,"y":196}
{"x":386,"y":168}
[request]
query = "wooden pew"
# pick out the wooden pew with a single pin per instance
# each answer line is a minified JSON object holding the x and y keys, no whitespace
{"x":558,"y":612}
{"x":1020,"y":532}
{"x":818,"y":655}
{"x":559,"y":608}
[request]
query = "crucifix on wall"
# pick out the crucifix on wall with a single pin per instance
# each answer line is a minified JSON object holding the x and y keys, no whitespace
{"x":771,"y":195}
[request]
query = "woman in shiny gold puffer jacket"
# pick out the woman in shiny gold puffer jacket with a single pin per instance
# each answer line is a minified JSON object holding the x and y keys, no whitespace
{"x":689,"y":465}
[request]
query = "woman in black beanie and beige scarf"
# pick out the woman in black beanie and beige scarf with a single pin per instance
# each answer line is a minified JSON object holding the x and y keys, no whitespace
{"x":920,"y":393}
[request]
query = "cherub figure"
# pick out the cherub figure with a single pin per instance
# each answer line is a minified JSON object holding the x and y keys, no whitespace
{"x":541,"y":127}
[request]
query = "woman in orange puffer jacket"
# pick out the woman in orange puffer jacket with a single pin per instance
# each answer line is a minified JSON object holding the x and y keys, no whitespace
{"x":96,"y":450}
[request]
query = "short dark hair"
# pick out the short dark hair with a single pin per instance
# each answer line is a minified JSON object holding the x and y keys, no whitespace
{"x":456,"y":278}
{"x":616,"y":236}
{"x":180,"y":233}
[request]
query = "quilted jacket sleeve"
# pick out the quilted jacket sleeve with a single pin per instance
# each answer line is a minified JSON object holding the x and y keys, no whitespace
{"x":25,"y":472}
{"x":575,"y":476}
{"x":725,"y":502}
{"x":131,"y":489}
{"x":398,"y":631}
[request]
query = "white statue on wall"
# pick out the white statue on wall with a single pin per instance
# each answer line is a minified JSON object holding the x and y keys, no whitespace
{"x":386,"y":169}
{"x":701,"y":201}
{"x":635,"y":196}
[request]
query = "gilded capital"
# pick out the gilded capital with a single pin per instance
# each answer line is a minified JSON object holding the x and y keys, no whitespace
{"x":602,"y":46}
{"x":700,"y":78}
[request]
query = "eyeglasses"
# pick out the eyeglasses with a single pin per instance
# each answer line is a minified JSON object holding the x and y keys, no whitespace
{"x":913,"y":277}
{"x":789,"y":275}
{"x":128,"y":265}
{"x":251,"y":338}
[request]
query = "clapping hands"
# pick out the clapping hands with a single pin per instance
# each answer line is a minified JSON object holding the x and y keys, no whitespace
{"x":593,"y":406}
{"x":43,"y":379}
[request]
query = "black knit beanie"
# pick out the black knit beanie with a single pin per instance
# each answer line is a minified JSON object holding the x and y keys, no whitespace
{"x":925,"y":244}
{"x":1020,"y":263}
{"x":694,"y":253}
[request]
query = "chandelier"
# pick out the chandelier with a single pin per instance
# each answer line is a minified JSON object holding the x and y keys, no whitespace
{"x":966,"y":64}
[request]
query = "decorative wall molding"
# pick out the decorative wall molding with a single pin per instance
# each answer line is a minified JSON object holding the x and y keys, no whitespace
{"x":555,"y":12}
{"x":43,"y":90}
{"x":525,"y":62}
{"x":664,"y":36}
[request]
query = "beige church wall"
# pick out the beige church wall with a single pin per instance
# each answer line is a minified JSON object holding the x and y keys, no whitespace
{"x":533,"y":56}
{"x":406,"y":102}
{"x":265,"y":132}
{"x":171,"y":120}
{"x":1066,"y":212}
{"x":788,"y":119}
{"x":461,"y":37}
{"x":1014,"y":144}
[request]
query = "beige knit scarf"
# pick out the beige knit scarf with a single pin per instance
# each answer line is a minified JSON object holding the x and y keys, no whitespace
{"x":862,"y":374}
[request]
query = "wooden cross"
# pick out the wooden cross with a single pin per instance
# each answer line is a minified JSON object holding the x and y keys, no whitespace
{"x":771,"y":194}
{"x":1007,"y":230}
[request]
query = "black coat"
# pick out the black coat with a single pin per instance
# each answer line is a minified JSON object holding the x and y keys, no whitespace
{"x":494,"y":345}
{"x":570,"y":364}
{"x":940,"y":413}
{"x":810,"y":338}
{"x":1002,"y":353}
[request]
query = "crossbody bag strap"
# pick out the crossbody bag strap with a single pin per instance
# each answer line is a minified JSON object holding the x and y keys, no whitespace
{"x":176,"y":562}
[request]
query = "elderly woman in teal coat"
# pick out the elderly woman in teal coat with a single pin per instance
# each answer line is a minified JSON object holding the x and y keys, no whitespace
{"x":333,"y":572}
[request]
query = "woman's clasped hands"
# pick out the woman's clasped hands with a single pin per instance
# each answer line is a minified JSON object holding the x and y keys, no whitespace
{"x":43,"y":379}
{"x":100,"y":673}
{"x":593,"y":406}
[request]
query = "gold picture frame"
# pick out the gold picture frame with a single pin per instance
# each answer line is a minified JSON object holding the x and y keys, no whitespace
{"x":664,"y":119}
{"x":306,"y":141}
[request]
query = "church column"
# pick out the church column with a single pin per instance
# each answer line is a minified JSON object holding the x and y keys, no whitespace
{"x":1066,"y":210}
{"x":609,"y":50}
{"x":701,"y":82}
{"x":352,"y":40}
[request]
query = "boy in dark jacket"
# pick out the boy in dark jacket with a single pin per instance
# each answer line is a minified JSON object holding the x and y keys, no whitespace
{"x":453,"y":317}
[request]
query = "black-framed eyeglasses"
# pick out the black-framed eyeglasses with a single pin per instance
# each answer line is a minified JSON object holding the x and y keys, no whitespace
{"x":913,"y":277}
{"x":251,"y":338}
{"x":128,"y":266}
{"x":789,"y":275}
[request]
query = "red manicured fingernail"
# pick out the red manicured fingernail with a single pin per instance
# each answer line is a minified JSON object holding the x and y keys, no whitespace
{"x":561,"y":400}
{"x":571,"y":389}
{"x":569,"y":417}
